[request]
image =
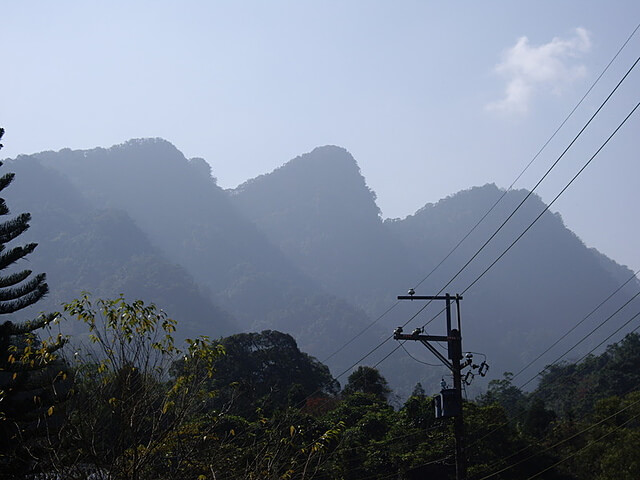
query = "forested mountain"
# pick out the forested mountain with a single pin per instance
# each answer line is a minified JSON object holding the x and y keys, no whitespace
{"x":319,"y":211}
{"x":573,"y":389}
{"x":304,"y":250}
{"x":192,"y":224}
{"x":84,"y":248}
{"x":546,"y":283}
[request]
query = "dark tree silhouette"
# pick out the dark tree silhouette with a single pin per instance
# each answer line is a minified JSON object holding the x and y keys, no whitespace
{"x":269,"y":371}
{"x":27,"y":399}
{"x":367,"y":380}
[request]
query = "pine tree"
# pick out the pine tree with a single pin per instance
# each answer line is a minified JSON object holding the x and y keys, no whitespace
{"x":28,"y":365}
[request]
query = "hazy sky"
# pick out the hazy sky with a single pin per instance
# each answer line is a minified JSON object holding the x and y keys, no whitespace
{"x":430,"y":97}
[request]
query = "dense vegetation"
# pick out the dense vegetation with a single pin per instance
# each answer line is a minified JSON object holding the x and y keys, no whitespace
{"x":253,"y":406}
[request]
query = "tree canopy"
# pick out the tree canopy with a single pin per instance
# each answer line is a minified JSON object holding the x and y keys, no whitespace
{"x":367,"y":380}
{"x":267,"y":371}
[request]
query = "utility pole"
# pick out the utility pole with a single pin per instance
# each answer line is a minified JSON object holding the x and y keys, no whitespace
{"x":453,"y":338}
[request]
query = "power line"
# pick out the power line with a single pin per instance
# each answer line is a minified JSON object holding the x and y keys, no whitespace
{"x":361,"y":332}
{"x":386,"y":356}
{"x":519,"y":237}
{"x":558,"y":195}
{"x":542,"y":179}
{"x":544,"y":210}
{"x":584,"y":337}
{"x":522,"y":413}
{"x":557,"y":443}
{"x":417,"y":360}
{"x":553,"y":135}
{"x":618,"y":427}
{"x":549,"y":205}
{"x":536,"y":186}
{"x":380,"y":345}
{"x":488,"y":212}
{"x":611,"y":335}
{"x":577,"y":324}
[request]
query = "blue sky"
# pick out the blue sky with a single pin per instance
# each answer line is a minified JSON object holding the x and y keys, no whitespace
{"x":429,"y":97}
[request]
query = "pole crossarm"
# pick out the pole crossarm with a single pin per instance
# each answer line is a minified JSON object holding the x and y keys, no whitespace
{"x":429,"y":297}
{"x":428,"y":338}
{"x":425,"y":339}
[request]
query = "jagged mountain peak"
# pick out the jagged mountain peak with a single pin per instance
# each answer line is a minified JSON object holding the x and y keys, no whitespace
{"x":137,"y":146}
{"x":202,"y":167}
{"x":325,"y":165}
{"x":326,"y":181}
{"x":467,"y":206}
{"x":146,"y":143}
{"x":137,"y":153}
{"x":133,"y":172}
{"x":327,"y":156}
{"x":486,"y":193}
{"x":319,"y":211}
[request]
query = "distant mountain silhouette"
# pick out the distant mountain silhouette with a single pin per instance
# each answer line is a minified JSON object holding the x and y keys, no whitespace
{"x":319,"y":211}
{"x":545,"y":284}
{"x":192,"y":223}
{"x":304,"y":250}
{"x":102,"y":251}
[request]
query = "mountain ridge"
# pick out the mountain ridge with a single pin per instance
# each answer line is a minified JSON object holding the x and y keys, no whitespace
{"x":304,"y":249}
{"x":178,"y":205}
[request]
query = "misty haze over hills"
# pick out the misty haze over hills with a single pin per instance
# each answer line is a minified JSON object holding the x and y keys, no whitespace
{"x":304,"y":250}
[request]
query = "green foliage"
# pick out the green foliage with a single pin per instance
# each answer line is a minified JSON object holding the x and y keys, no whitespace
{"x":603,"y":445}
{"x":362,"y":452}
{"x":581,"y":422}
{"x":264,"y":372}
{"x":507,"y":395}
{"x":126,"y":405}
{"x":286,"y":445}
{"x":573,"y":389}
{"x":367,"y":380}
{"x":418,"y":390}
{"x":615,"y":444}
{"x":538,"y":419}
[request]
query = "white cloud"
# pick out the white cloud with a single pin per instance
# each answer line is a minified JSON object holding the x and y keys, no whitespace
{"x":529,"y":68}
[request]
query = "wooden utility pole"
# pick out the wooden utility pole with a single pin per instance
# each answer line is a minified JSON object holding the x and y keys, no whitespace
{"x":453,"y":338}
